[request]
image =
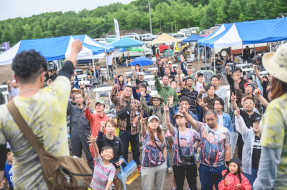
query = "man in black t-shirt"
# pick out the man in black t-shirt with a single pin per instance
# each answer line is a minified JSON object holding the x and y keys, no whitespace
{"x":246,"y":53}
{"x":141,"y":79}
{"x":248,"y":116}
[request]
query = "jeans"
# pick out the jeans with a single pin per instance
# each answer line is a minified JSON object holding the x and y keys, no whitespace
{"x":126,"y":137}
{"x":168,"y":156}
{"x":200,"y":50}
{"x":209,"y":176}
{"x":180,"y":172}
{"x":199,"y":113}
{"x":251,"y":178}
{"x":111,"y":70}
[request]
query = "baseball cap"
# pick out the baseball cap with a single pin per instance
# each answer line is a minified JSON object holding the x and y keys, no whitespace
{"x":249,"y":84}
{"x":169,"y":62}
{"x":178,"y":114}
{"x":141,"y":73}
{"x":153,"y":117}
{"x":258,"y":118}
{"x":100,"y":102}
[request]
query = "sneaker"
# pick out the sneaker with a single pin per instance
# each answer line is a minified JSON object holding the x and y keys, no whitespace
{"x":113,"y":186}
{"x":139,"y":168}
{"x":169,"y":170}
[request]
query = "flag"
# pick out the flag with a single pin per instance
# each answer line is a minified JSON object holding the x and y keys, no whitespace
{"x":6,"y":46}
{"x":117,"y":30}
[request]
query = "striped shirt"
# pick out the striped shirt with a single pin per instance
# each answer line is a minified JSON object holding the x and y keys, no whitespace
{"x":102,"y":174}
{"x":192,"y":96}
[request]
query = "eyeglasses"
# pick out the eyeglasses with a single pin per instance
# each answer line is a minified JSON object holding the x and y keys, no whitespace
{"x":248,"y":103}
{"x":155,"y":99}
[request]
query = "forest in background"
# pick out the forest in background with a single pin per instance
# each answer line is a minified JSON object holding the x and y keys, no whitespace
{"x":167,"y":16}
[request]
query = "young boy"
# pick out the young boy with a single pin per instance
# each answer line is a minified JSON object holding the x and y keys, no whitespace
{"x":104,"y":171}
{"x":8,"y":175}
{"x":112,"y":141}
{"x":129,"y":81}
{"x":200,"y":82}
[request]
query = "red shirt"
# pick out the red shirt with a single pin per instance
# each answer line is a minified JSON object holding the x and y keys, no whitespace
{"x":234,"y":180}
{"x":95,"y":121}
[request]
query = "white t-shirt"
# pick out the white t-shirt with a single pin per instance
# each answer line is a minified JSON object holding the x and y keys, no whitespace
{"x":109,"y":59}
{"x":198,"y":86}
{"x":220,"y":120}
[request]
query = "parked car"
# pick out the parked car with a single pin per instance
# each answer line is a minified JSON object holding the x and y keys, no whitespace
{"x":134,"y":35}
{"x":144,"y":50}
{"x":179,"y":36}
{"x":111,"y":38}
{"x":170,"y":34}
{"x":148,"y":37}
{"x":186,"y":31}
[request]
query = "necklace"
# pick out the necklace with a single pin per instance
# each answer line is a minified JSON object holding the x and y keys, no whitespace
{"x":28,"y":90}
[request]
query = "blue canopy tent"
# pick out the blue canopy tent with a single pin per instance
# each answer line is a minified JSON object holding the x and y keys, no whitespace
{"x":192,"y":38}
{"x":50,"y":48}
{"x":125,"y":43}
{"x":88,"y":40}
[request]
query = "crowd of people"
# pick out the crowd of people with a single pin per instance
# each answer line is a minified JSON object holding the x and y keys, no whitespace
{"x":187,"y":112}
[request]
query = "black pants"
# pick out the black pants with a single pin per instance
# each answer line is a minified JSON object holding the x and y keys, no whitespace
{"x":180,"y":172}
{"x":111,"y":70}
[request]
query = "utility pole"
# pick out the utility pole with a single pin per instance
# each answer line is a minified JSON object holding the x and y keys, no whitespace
{"x":149,"y":17}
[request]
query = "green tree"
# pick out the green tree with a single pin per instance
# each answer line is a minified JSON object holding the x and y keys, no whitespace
{"x":28,"y":32}
{"x":234,"y":11}
{"x":6,"y":36}
{"x":241,"y":18}
{"x":37,"y":32}
{"x":18,"y":32}
{"x":208,"y":19}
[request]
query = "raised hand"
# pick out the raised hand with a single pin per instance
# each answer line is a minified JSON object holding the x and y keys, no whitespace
{"x":115,"y":86}
{"x":233,"y":97}
{"x":165,"y":107}
{"x":237,"y":113}
{"x":155,"y":72}
{"x":82,"y":86}
{"x":179,"y":72}
{"x":202,"y":90}
{"x":88,"y":102}
{"x":227,"y":67}
{"x":77,"y":46}
{"x":134,"y":84}
{"x":254,"y":67}
{"x":91,"y":139}
{"x":103,"y":123}
{"x":133,"y":68}
{"x":201,"y":103}
{"x":75,"y":73}
{"x":11,"y":97}
{"x":170,"y":101}
{"x":257,"y":92}
{"x":142,"y":121}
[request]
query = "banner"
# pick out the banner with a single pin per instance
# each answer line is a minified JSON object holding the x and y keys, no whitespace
{"x":117,"y":30}
{"x":6,"y":46}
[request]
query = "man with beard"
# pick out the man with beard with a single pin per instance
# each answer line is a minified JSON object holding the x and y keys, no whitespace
{"x":75,"y":91}
{"x":80,"y":129}
{"x":129,"y":112}
{"x":165,"y":91}
{"x":210,"y":173}
{"x":167,"y":73}
{"x":248,"y":116}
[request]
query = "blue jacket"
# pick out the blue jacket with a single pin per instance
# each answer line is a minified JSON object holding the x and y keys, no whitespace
{"x":227,"y":122}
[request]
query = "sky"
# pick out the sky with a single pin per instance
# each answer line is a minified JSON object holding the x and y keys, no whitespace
{"x":26,"y":8}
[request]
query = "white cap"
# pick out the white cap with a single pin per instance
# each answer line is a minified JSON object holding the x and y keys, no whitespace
{"x":152,"y":117}
{"x":169,"y":62}
{"x":141,"y":73}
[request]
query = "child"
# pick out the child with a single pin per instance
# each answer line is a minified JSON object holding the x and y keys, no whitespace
{"x":199,"y":82}
{"x":8,"y":175}
{"x":129,"y":81}
{"x":173,"y":85}
{"x":104,"y":171}
{"x":115,"y":142}
{"x":233,"y":178}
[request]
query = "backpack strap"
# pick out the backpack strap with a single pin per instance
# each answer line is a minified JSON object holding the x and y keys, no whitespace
{"x":25,"y":129}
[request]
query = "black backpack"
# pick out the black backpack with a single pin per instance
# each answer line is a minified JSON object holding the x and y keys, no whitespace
{"x":150,"y":113}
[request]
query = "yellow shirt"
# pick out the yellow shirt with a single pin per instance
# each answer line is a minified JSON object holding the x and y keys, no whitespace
{"x":45,"y":114}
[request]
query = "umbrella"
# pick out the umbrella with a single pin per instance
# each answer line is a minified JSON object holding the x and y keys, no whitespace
{"x":141,"y":61}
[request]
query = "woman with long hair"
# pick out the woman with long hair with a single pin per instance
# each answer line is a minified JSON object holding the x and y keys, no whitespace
{"x":153,"y":169}
{"x":121,"y":83}
{"x":272,"y":173}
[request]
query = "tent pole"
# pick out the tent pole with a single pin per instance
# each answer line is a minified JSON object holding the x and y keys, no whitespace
{"x":242,"y":50}
{"x":270,"y":47}
{"x":93,"y":64}
{"x":205,"y":55}
{"x":214,"y":60}
{"x":254,"y":50}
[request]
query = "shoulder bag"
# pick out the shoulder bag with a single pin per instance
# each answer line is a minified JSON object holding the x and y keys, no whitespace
{"x":65,"y":172}
{"x":126,"y":111}
{"x":185,"y":160}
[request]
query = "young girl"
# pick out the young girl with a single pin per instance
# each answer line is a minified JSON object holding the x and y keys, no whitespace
{"x":121,"y":83}
{"x":233,"y":179}
{"x":184,"y":141}
{"x":153,"y":169}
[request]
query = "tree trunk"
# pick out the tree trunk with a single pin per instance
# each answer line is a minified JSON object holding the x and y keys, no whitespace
{"x":170,"y":24}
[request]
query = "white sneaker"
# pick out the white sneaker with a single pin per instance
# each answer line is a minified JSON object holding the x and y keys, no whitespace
{"x":169,"y":170}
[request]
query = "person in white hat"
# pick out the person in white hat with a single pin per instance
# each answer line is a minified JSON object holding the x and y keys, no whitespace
{"x":272,"y":173}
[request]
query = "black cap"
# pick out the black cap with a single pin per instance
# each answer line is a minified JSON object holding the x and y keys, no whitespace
{"x":236,"y":161}
{"x":258,"y":118}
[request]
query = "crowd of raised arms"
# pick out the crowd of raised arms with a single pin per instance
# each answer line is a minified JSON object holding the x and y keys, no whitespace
{"x":235,"y":141}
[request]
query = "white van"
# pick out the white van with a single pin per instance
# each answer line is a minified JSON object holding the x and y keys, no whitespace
{"x":145,"y":50}
{"x":179,"y":36}
{"x":148,"y":37}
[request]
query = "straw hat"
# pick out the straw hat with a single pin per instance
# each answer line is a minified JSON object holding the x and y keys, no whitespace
{"x":75,"y":90}
{"x":276,"y":63}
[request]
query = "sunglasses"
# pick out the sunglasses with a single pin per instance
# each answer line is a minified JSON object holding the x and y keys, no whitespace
{"x":155,"y":99}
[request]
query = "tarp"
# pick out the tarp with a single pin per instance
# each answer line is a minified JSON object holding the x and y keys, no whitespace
{"x":249,"y":32}
{"x":192,"y":38}
{"x":51,"y":49}
{"x":88,"y":40}
{"x":164,"y":38}
{"x":127,"y":42}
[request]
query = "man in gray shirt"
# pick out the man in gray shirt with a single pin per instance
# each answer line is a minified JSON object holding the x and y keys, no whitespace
{"x":13,"y":88}
{"x":80,"y":129}
{"x":219,"y":91}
